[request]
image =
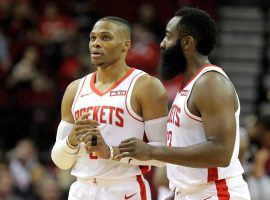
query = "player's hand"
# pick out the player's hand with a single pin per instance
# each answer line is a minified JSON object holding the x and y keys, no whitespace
{"x":135,"y":148}
{"x":80,"y":127}
{"x":94,"y":142}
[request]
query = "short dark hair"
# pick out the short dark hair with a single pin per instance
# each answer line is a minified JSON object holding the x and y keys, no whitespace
{"x":198,"y":24}
{"x":122,"y":22}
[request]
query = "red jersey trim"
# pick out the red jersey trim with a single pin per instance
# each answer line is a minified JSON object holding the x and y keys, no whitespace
{"x":144,"y":168}
{"x":196,"y":73}
{"x":191,"y":115}
{"x":188,"y":113}
{"x":145,"y":139}
{"x":100,"y":93}
{"x":222,"y":190}
{"x":140,"y":120}
{"x":78,"y":94}
{"x":142,"y":187}
{"x":212,"y":174}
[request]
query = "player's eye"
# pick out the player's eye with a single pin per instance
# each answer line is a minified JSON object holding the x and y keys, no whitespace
{"x":106,"y":37}
{"x":92,"y":38}
{"x":167,"y":36}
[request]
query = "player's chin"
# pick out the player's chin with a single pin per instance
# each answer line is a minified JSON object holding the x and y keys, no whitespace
{"x":98,"y":63}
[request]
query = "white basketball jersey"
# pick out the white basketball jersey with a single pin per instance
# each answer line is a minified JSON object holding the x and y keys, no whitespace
{"x":185,"y":129}
{"x":112,"y":109}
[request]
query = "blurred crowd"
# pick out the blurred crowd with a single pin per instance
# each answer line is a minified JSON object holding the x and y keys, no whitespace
{"x":43,"y":47}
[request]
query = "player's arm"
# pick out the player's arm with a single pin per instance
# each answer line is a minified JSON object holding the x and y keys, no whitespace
{"x":153,"y":101}
{"x":63,"y":153}
{"x":70,"y":133}
{"x":215,"y":99}
{"x":151,"y":98}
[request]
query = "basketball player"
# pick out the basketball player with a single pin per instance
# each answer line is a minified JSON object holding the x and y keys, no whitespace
{"x":114,"y":103}
{"x":203,"y":123}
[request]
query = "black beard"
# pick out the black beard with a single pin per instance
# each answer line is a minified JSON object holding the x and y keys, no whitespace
{"x":173,"y":62}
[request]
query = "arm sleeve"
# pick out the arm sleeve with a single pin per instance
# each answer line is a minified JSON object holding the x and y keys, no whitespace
{"x":155,"y":131}
{"x":63,"y":155}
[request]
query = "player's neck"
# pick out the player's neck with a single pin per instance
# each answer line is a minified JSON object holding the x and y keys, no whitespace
{"x":193,"y":65}
{"x":111,"y":74}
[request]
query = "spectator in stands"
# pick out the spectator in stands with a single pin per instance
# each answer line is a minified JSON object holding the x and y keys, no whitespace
{"x":25,"y":70}
{"x":23,"y":159}
{"x":147,"y":16}
{"x":70,"y":67}
{"x":259,"y":180}
{"x":6,"y":184}
{"x":144,"y":52}
{"x":49,"y":189}
{"x":54,"y":26}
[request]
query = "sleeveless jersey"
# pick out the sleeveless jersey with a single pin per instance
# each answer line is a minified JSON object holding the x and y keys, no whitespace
{"x":185,"y":129}
{"x":112,"y":109}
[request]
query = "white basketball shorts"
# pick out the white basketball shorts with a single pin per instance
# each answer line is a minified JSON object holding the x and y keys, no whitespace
{"x":226,"y":189}
{"x":133,"y":188}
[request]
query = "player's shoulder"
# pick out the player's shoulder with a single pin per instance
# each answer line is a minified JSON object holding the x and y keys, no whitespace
{"x":147,"y":81}
{"x":213,"y":84}
{"x":72,"y":87}
{"x":213,"y":79}
{"x":149,"y":86}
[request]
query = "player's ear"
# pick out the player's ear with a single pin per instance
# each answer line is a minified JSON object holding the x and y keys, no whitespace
{"x":127,"y":45}
{"x":187,"y":42}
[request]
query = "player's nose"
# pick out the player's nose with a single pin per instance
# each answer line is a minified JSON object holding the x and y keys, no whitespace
{"x":162,"y":44}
